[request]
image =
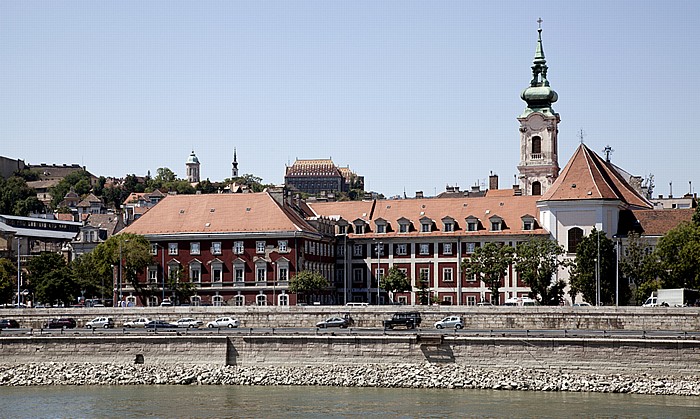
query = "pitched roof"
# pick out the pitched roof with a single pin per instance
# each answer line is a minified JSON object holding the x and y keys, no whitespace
{"x":652,"y":222}
{"x":109,"y":222}
{"x":588,"y":176}
{"x":510,"y":209}
{"x":318,"y":167}
{"x":218,"y":213}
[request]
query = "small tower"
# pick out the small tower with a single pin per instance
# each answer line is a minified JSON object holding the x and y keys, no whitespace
{"x":234,"y":170}
{"x":539,"y":126}
{"x":192,"y":165}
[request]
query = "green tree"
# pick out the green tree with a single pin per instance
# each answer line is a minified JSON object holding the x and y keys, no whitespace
{"x":490,"y":263}
{"x":50,"y":277}
{"x":696,"y":216}
{"x":583,"y":273}
{"x":678,"y":253}
{"x":180,"y":287}
{"x":395,"y":281}
{"x":114,"y":195}
{"x":537,"y":261}
{"x":16,"y":198}
{"x":638,"y":266}
{"x":86,"y":275}
{"x":307,"y":283}
{"x":80,"y":180}
{"x":8,"y":281}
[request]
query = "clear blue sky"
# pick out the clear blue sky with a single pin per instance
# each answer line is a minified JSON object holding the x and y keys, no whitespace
{"x":413,"y":95}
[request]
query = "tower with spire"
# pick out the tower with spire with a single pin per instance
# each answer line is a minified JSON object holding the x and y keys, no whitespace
{"x":192,"y":165}
{"x":539,"y":126}
{"x":234,"y":169}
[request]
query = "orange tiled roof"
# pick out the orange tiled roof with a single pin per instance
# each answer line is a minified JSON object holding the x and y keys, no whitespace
{"x":217,"y":213}
{"x":653,"y":222}
{"x":588,"y":176}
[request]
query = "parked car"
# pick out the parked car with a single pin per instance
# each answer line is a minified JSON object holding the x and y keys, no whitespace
{"x":224,"y":322}
{"x":483,"y":303}
{"x":160,"y":324}
{"x":140,"y":322}
{"x":62,"y":323}
{"x":450,"y":322}
{"x":166,"y":303}
{"x":103,"y":322}
{"x":336,"y":321}
{"x":189,"y":323}
{"x":9,"y":324}
{"x":409,"y":319}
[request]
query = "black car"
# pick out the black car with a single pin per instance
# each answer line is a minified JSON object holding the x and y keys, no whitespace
{"x":408,"y":319}
{"x":160,"y":324}
{"x":62,"y":323}
{"x":9,"y":324}
{"x":336,"y":321}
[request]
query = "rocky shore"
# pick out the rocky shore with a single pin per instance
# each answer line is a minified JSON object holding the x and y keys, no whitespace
{"x":374,"y":375}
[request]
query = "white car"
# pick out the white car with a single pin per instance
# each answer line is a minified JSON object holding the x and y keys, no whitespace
{"x":104,"y":322}
{"x":224,"y":322}
{"x":140,"y":322}
{"x":451,"y":322}
{"x":189,"y":323}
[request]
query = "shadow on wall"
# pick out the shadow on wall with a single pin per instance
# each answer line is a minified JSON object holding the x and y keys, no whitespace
{"x":438,"y":354}
{"x":231,"y":352}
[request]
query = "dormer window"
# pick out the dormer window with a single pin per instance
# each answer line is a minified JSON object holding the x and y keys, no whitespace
{"x":381,"y":226}
{"x":528,"y":222}
{"x":496,"y":223}
{"x":426,"y":225}
{"x":472,"y":223}
{"x":359,"y":226}
{"x":425,"y":228}
{"x":404,"y":225}
{"x":342,"y":229}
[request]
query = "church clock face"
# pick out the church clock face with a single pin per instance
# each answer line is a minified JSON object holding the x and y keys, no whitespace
{"x":536,"y":122}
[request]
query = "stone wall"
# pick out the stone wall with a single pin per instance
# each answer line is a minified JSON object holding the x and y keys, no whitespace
{"x":482,"y":318}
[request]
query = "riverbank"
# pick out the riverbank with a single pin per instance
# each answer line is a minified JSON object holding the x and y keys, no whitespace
{"x":447,"y":376}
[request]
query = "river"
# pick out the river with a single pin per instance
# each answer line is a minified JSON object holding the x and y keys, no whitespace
{"x":328,"y":402}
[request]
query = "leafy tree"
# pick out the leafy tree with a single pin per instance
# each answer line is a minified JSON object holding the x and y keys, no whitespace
{"x":164,"y":175}
{"x":114,"y":195}
{"x":395,"y":281}
{"x":16,"y":198}
{"x":132,"y":184}
{"x":696,"y":216}
{"x":85,"y":273}
{"x":490,"y":262}
{"x":8,"y":280}
{"x":79,"y":180}
{"x":180,"y":286}
{"x":537,"y":261}
{"x":583,"y":274}
{"x":423,"y":290}
{"x":307,"y":283}
{"x":136,"y":256}
{"x":28,"y":175}
{"x":49,"y":275}
{"x":678,"y":253}
{"x":638,"y":266}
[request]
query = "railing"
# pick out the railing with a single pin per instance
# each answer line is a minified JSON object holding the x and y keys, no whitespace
{"x":536,"y":156}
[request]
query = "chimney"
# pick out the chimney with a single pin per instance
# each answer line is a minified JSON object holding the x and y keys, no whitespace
{"x":419,"y":194}
{"x":493,"y":181}
{"x":517,"y":191}
{"x":475,"y":188}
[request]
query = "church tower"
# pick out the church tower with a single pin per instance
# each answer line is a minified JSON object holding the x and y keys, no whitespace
{"x":539,"y":166}
{"x":234,"y":170}
{"x":192,"y":165}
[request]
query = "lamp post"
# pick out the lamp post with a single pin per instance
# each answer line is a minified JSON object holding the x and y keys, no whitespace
{"x":121,"y":296}
{"x":162,"y":262}
{"x":345,"y":269}
{"x":380,"y":248}
{"x":274,"y":281}
{"x":597,"y":272}
{"x":19,"y":270}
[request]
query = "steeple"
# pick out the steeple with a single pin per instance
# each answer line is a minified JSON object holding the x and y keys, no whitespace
{"x":234,"y":170}
{"x":539,"y":128}
{"x":192,"y":165}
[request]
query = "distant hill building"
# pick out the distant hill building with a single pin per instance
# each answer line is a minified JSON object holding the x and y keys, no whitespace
{"x":321,"y":176}
{"x":9,"y":166}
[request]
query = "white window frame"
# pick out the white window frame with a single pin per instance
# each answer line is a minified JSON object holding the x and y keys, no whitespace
{"x":471,"y":300}
{"x":217,"y":274}
{"x":153,"y":274}
{"x":238,"y":247}
{"x":357,"y":249}
{"x":236,"y":272}
{"x":381,"y":228}
{"x":216,"y":248}
{"x":282,"y":246}
{"x":195,"y":274}
{"x":425,"y":227}
{"x":154,"y":248}
{"x":471,"y":247}
{"x":472,"y":225}
{"x":195,"y":248}
{"x":172,"y":249}
{"x":449,"y":227}
{"x":404,"y":227}
{"x":424,"y":274}
{"x":283,"y":300}
{"x":260,"y":274}
{"x":401,"y":249}
{"x":447,"y":248}
{"x":238,"y":300}
{"x":359,"y":229}
{"x":260,"y":246}
{"x":447,"y":275}
{"x":496,"y":225}
{"x":424,"y":249}
{"x":261,"y":300}
{"x":217,"y":300}
{"x":358,"y":275}
{"x":283,"y":274}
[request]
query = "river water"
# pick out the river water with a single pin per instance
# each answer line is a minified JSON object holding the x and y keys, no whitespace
{"x":328,"y":402}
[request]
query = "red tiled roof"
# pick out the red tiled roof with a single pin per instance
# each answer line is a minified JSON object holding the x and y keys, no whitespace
{"x":217,"y":213}
{"x":588,"y":176}
{"x":653,"y":222}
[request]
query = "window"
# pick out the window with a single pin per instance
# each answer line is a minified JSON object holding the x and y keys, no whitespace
{"x":261,"y":274}
{"x":357,"y":250}
{"x":401,"y":249}
{"x":152,"y":301}
{"x":424,"y":249}
{"x":528,"y":225}
{"x":357,"y":275}
{"x":496,"y":225}
{"x":342,"y":229}
{"x":381,"y":228}
{"x":447,"y":300}
{"x":471,"y":300}
{"x":536,"y":145}
{"x":283,"y":274}
{"x":536,"y":188}
{"x":471,"y":278}
{"x":172,"y":248}
{"x":403,"y":228}
{"x":238,"y":248}
{"x":239,"y":300}
{"x":471,"y":247}
{"x":447,"y":248}
{"x":403,"y":300}
{"x":154,"y":248}
{"x":216,"y":274}
{"x":217,"y":300}
{"x":153,"y":274}
{"x":216,"y":248}
{"x":282,"y":246}
{"x":194,"y":248}
{"x":196,"y":300}
{"x":260,"y":246}
{"x":575,"y":236}
{"x":404,"y":271}
{"x":238,"y":274}
{"x":283,"y":300}
{"x":341,"y":250}
{"x":447,"y":274}
{"x":424,"y":274}
{"x":359,"y":229}
{"x":379,"y":274}
{"x":260,"y":300}
{"x":449,"y":227}
{"x":425,"y":227}
{"x":471,"y":226}
{"x":195,"y":274}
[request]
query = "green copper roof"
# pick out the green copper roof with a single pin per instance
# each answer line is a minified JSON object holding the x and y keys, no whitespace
{"x":539,"y":96}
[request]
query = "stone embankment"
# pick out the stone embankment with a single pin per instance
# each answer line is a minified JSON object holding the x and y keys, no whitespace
{"x":371,"y":375}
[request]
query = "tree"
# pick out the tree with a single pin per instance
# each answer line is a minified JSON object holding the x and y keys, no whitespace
{"x":537,"y":262}
{"x":8,"y":280}
{"x":50,"y":277}
{"x":16,"y":198}
{"x":638,"y":266}
{"x":135,"y":257}
{"x":583,"y":274}
{"x":79,"y":180}
{"x":490,"y":263}
{"x":678,"y":253}
{"x":395,"y":281}
{"x":87,"y":276}
{"x":307,"y":283}
{"x":696,"y":216}
{"x":180,"y":287}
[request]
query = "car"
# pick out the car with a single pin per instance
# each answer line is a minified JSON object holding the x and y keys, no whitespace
{"x":166,"y":303}
{"x":356,"y":304}
{"x":451,"y":322}
{"x":483,"y":303}
{"x":62,"y":323}
{"x":336,"y":321}
{"x":409,"y":319}
{"x":584,"y":304}
{"x":224,"y":322}
{"x":103,"y":322}
{"x":140,"y":322}
{"x":160,"y":324}
{"x":189,"y":323}
{"x":9,"y":324}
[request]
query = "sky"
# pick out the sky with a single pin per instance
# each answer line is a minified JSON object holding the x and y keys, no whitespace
{"x":412,"y":95}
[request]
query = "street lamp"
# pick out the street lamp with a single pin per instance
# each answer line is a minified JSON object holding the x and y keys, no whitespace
{"x":345,"y":269}
{"x":274,"y":281}
{"x":162,"y":262}
{"x":121,"y":296}
{"x":19,"y":270}
{"x":380,"y":248}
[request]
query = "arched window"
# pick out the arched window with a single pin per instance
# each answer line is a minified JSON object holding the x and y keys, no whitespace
{"x":536,"y":145}
{"x":217,"y":300}
{"x":196,"y":300}
{"x":239,"y":300}
{"x":283,"y":300}
{"x":131,"y":301}
{"x":575,"y":237}
{"x":261,"y":300}
{"x":536,"y":188}
{"x":152,"y":301}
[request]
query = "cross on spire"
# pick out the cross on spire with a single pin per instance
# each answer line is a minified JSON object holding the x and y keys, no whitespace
{"x":580,"y":135}
{"x":539,"y":24}
{"x":608,"y":151}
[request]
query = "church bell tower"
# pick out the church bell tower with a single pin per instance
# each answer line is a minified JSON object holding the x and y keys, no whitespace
{"x":539,"y":126}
